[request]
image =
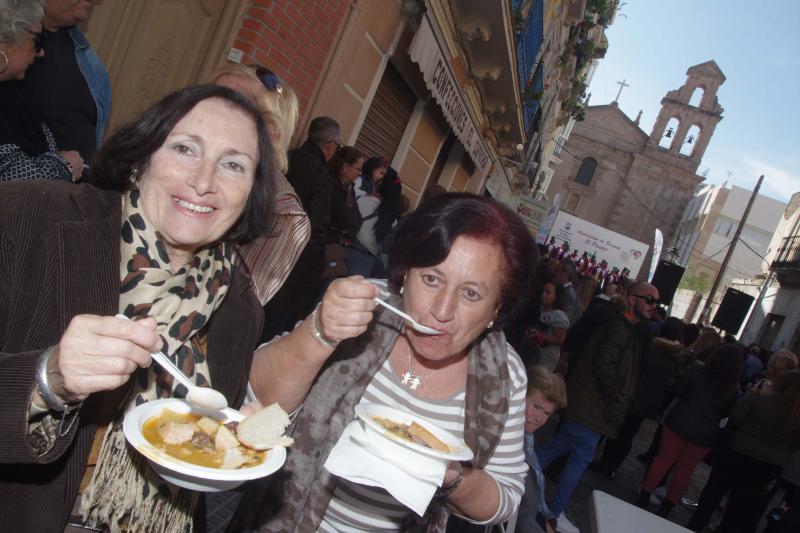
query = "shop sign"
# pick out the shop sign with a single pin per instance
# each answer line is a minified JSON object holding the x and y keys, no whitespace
{"x":426,"y":52}
{"x":532,"y":212}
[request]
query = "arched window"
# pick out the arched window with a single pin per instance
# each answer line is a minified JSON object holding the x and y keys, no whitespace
{"x":586,"y":171}
{"x":697,"y":97}
{"x":669,"y":133}
{"x":690,"y":141}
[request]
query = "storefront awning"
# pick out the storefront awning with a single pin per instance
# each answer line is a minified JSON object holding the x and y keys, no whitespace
{"x":427,"y":53}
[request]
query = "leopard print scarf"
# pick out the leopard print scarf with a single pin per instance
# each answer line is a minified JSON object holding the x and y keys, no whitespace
{"x":123,"y":494}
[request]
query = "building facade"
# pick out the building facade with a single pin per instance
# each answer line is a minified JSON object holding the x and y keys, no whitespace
{"x":351,"y":59}
{"x":443,"y":116}
{"x":707,"y":227}
{"x":774,"y":319}
{"x":613,"y":174}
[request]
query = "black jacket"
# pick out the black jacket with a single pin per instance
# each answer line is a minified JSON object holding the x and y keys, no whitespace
{"x":311,"y":180}
{"x":700,"y":407}
{"x":602,"y":382}
{"x":658,"y":369}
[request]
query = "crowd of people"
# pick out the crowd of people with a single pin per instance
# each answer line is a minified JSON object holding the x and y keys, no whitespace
{"x":623,"y":363}
{"x":255,"y":268}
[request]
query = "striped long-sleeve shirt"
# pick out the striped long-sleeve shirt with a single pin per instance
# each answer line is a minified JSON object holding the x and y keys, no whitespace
{"x":357,"y":507}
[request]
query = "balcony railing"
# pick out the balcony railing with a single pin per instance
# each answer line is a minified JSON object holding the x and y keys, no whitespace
{"x":788,"y":256}
{"x":529,"y":41}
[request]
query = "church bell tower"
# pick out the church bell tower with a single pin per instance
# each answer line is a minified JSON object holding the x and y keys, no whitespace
{"x":689,"y":114}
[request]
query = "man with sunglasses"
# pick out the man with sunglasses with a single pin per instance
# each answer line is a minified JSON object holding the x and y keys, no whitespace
{"x":599,"y":388}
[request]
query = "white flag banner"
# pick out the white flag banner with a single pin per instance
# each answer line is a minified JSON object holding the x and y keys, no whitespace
{"x":658,"y":242}
{"x":549,"y":218}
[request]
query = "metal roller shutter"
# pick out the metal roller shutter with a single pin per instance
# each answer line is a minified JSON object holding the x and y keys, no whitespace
{"x":387,"y":117}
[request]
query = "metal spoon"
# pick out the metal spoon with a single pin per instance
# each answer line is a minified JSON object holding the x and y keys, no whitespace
{"x":200,"y":396}
{"x":414,"y":324}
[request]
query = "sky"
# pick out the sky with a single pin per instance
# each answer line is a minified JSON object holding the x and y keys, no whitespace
{"x":756,"y":45}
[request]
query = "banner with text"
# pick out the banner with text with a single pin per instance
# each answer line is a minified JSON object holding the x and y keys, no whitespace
{"x":617,"y":250}
{"x":533,"y":213}
{"x":425,"y":51}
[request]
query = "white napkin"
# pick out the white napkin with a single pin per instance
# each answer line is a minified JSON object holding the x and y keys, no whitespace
{"x":355,"y":458}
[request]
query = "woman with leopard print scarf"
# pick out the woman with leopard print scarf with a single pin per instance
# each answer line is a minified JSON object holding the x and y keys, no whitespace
{"x":153,"y":234}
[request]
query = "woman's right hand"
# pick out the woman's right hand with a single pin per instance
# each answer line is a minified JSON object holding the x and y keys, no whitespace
{"x":346,"y":308}
{"x":100,"y":353}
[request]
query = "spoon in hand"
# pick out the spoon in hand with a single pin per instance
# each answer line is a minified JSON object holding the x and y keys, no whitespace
{"x":200,"y":396}
{"x":414,"y":324}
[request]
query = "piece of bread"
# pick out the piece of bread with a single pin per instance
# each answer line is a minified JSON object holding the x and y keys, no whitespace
{"x":264,"y":429}
{"x":429,"y":439}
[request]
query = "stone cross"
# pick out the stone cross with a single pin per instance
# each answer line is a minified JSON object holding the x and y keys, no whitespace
{"x":622,"y":85}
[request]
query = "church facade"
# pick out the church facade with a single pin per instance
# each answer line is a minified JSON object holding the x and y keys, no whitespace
{"x":615,"y":175}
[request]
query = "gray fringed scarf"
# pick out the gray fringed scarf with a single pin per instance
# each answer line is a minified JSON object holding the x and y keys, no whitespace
{"x":297,"y":498}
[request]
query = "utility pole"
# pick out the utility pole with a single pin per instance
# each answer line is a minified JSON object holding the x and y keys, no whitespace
{"x":724,"y":266}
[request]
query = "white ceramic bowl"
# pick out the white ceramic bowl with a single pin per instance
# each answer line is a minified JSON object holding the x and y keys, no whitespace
{"x":188,"y":475}
{"x":414,"y":456}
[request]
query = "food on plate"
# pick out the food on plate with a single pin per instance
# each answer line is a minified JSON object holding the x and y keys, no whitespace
{"x":264,"y":430}
{"x":425,"y":437}
{"x":208,"y":442}
{"x":413,"y":433}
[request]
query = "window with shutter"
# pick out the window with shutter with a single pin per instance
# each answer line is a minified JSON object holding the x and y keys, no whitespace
{"x":387,"y":117}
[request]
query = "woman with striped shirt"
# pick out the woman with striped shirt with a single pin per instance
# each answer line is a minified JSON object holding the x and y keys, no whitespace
{"x":461,"y":264}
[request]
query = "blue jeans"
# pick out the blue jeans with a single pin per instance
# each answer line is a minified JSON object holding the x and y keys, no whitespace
{"x":580,"y":442}
{"x":529,"y":506}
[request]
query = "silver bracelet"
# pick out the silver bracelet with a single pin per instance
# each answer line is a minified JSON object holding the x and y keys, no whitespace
{"x":43,"y":386}
{"x":316,"y":330}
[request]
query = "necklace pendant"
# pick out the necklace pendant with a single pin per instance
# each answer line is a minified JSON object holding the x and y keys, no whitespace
{"x":411,"y":380}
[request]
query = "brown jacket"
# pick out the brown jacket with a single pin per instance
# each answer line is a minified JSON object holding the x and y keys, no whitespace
{"x":59,"y":257}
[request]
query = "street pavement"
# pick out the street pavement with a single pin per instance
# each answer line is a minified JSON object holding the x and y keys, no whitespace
{"x":626,"y":483}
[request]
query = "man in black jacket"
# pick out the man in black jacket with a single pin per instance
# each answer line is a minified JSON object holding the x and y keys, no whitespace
{"x":599,"y":389}
{"x":308,"y":174}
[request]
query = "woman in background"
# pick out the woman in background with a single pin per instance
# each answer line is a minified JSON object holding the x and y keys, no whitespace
{"x":365,"y":248}
{"x":546,"y":394}
{"x":765,"y":429}
{"x":551,"y":329}
{"x":270,"y":258}
{"x":705,"y":395}
{"x":345,"y":167}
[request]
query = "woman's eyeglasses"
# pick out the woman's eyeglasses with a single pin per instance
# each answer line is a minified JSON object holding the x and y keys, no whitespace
{"x":38,"y":41}
{"x":270,"y":80}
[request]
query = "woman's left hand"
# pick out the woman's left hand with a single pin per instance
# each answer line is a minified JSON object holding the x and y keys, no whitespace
{"x":346,"y":308}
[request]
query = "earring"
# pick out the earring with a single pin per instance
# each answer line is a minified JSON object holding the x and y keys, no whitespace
{"x":490,"y":324}
{"x":401,"y":290}
{"x":5,"y":58}
{"x":134,"y":172}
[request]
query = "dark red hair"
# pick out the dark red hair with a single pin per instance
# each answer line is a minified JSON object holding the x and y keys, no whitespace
{"x":426,"y":236}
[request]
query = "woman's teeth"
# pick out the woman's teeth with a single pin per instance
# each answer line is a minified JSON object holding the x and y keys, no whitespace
{"x":193,"y":207}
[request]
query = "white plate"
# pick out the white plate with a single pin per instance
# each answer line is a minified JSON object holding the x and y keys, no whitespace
{"x":185,"y":474}
{"x":459,"y":451}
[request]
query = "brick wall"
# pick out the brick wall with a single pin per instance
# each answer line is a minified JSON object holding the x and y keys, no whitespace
{"x":292,"y":38}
